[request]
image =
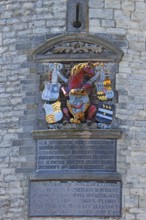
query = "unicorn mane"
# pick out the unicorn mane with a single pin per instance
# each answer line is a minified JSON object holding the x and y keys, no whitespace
{"x":76,"y":69}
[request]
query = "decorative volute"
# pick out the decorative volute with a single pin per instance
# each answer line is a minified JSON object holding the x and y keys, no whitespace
{"x":77,"y":47}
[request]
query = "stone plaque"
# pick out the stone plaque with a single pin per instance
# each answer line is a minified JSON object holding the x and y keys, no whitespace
{"x":87,"y":154}
{"x":71,"y":198}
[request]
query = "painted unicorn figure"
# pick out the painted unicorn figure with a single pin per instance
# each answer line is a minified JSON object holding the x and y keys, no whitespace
{"x":78,"y":90}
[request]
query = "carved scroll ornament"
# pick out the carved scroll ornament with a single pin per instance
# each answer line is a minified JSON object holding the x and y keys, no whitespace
{"x":77,"y":47}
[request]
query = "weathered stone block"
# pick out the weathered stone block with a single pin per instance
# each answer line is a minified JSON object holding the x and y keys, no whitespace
{"x":96,"y":3}
{"x":27,"y":5}
{"x":112,"y":4}
{"x":56,"y":23}
{"x":95,"y":23}
{"x":101,"y":13}
{"x":40,"y":23}
{"x":40,"y":30}
{"x":108,"y":23}
{"x":121,"y":31}
{"x":138,"y":45}
{"x":95,"y":29}
{"x":140,"y":6}
{"x":26,"y":150}
{"x":23,"y":46}
{"x":128,"y":5}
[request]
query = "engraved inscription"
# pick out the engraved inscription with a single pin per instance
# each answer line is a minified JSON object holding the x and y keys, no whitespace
{"x":54,"y":198}
{"x":76,"y":154}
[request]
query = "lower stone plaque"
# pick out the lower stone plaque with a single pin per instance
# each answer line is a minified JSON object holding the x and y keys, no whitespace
{"x":75,"y":198}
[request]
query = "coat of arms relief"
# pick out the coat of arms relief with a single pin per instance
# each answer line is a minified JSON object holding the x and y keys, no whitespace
{"x":79,"y":87}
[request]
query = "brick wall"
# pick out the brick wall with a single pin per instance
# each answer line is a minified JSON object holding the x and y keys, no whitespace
{"x":24,"y":25}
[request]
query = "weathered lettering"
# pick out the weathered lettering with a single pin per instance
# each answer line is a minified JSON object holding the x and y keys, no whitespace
{"x":55,"y":198}
{"x":76,"y":154}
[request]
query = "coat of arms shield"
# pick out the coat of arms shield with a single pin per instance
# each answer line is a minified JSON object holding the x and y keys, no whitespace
{"x":53,"y":112}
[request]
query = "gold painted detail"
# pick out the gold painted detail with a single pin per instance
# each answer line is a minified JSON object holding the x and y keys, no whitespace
{"x":50,"y":118}
{"x":56,"y":107}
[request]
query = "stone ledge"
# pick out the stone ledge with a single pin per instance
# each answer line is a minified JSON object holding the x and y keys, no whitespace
{"x":76,"y":175}
{"x":77,"y":134}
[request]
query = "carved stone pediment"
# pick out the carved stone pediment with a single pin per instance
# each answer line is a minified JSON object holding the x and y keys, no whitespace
{"x":77,"y":47}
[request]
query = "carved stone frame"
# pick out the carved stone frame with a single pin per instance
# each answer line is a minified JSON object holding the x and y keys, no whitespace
{"x":44,"y":52}
{"x":107,"y":53}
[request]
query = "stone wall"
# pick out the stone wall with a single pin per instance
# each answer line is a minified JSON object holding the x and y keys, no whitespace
{"x":24,"y":25}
